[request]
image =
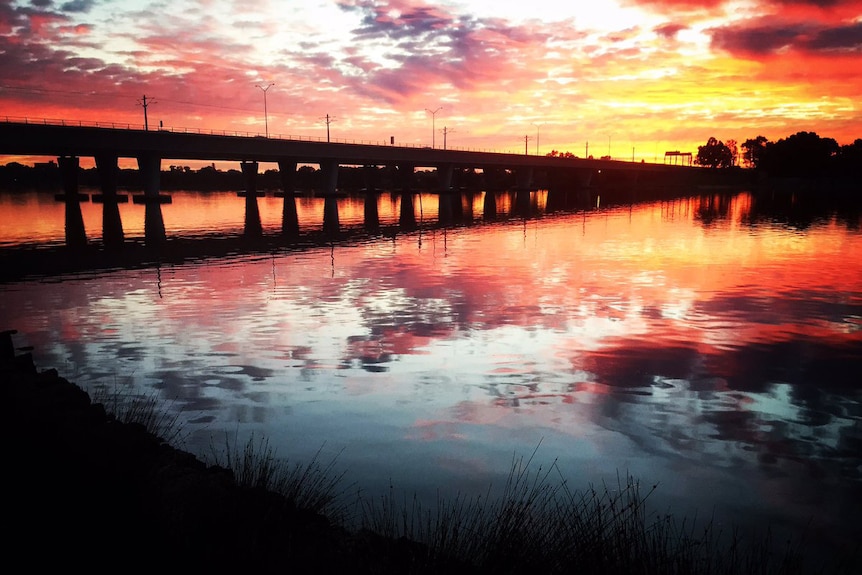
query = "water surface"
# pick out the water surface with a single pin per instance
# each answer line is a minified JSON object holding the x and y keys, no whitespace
{"x":710,"y":345}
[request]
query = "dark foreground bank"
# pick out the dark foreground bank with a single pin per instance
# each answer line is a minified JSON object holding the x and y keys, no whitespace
{"x":83,"y":489}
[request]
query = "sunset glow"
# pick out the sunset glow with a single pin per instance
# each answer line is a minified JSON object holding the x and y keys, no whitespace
{"x":633,"y":78}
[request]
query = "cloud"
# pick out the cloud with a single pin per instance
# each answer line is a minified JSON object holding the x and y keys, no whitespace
{"x":77,"y":6}
{"x":768,"y":38}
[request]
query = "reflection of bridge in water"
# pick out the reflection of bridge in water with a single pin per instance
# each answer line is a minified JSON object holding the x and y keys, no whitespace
{"x":562,"y":177}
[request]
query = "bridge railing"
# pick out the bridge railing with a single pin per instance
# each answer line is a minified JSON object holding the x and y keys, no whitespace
{"x":237,"y":133}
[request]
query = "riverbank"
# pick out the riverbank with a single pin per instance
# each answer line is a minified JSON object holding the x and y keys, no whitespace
{"x":87,"y":490}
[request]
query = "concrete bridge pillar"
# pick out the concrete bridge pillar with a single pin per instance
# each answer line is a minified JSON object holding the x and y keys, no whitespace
{"x":289,"y":217}
{"x":524,"y":178}
{"x":329,"y":169}
{"x":253,"y":227}
{"x":584,"y":177}
{"x":405,"y":177}
{"x":444,"y":177}
{"x":112,"y":225}
{"x":149,"y":166}
{"x":370,"y":175}
{"x":76,"y":236}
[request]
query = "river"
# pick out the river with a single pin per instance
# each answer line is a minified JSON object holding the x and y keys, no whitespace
{"x":709,"y":344}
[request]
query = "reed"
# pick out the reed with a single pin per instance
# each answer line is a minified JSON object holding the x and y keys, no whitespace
{"x":154,"y":413}
{"x":314,"y":486}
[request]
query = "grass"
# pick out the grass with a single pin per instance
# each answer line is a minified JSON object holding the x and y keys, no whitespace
{"x":313,"y":486}
{"x":538,"y":525}
{"x":151,"y":411}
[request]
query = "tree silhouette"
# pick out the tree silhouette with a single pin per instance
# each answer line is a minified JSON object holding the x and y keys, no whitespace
{"x":714,"y":154}
{"x":802,"y":154}
{"x":752,"y":150}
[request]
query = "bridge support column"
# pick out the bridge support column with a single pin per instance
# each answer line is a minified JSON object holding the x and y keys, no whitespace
{"x":558,"y":190}
{"x":76,"y":236}
{"x":253,"y":227}
{"x":112,"y":225}
{"x":405,"y":177}
{"x":149,"y":166}
{"x":329,"y":169}
{"x":524,"y":178}
{"x":289,"y":217}
{"x":444,"y":177}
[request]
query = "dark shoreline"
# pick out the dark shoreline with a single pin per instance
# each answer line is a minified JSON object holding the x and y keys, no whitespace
{"x":88,"y":490}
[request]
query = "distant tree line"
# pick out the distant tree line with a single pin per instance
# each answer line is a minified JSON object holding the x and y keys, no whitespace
{"x":804,"y":154}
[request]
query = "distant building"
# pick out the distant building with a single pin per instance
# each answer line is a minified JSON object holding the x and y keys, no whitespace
{"x":676,"y":157}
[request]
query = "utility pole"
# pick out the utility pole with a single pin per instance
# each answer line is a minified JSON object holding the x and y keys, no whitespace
{"x":143,"y":103}
{"x":265,"y":118}
{"x":433,"y":117}
{"x":445,"y":131}
{"x":328,"y":119}
{"x":526,"y":149}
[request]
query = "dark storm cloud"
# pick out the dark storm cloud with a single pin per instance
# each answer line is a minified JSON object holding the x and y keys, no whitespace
{"x":77,"y":6}
{"x":768,"y":38}
{"x":425,"y":45}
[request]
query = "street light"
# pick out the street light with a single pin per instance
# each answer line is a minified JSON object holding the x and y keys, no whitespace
{"x":537,"y":138}
{"x":265,"y":118}
{"x":433,"y":118}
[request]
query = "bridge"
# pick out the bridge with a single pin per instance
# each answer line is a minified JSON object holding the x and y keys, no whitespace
{"x":68,"y":142}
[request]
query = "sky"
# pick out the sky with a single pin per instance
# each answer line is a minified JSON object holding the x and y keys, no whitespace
{"x":629,"y":78}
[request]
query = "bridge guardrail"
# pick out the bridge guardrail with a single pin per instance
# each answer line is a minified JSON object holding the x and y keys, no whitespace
{"x":236,"y":133}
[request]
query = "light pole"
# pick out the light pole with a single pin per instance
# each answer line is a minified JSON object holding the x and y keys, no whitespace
{"x":433,"y":118}
{"x":537,"y":138}
{"x":265,"y":117}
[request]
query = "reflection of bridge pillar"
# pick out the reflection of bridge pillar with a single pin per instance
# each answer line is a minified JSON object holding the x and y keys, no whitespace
{"x":444,"y":211}
{"x":522,"y":202}
{"x":524,"y":178}
{"x":329,"y":169}
{"x":149,"y":166}
{"x":76,"y":236}
{"x":372,"y":216}
{"x":330,"y":214}
{"x":253,"y":227}
{"x":112,"y":225}
{"x":489,"y":206}
{"x":407,"y":217}
{"x":289,"y":217}
{"x":444,"y":177}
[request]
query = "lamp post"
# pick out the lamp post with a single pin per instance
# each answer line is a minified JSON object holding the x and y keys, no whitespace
{"x":537,"y":138}
{"x":433,"y":118}
{"x":265,"y":117}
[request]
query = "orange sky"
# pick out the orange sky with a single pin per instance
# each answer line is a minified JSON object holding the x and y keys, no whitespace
{"x":633,"y":77}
